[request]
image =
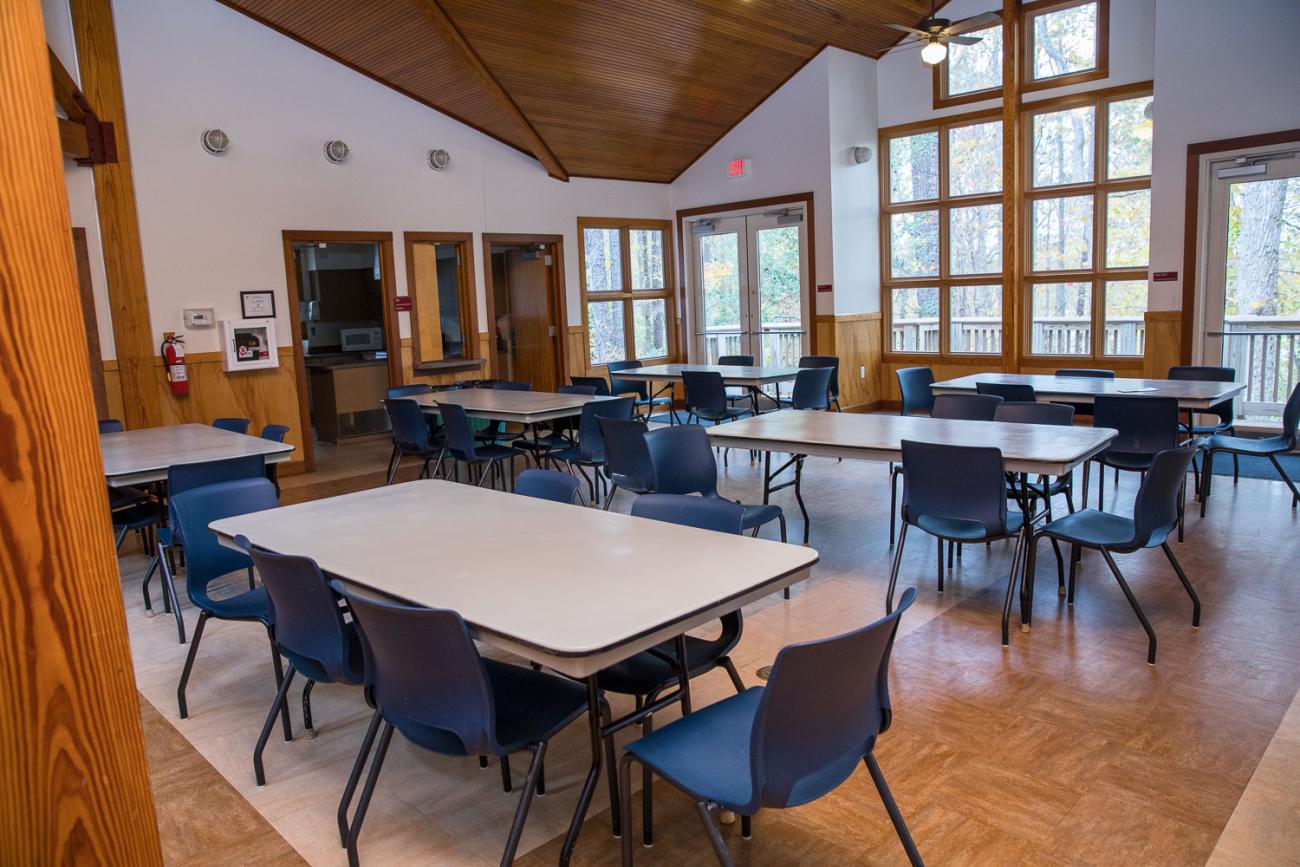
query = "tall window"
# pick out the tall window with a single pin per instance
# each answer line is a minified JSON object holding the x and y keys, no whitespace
{"x":1066,"y":42}
{"x":1088,"y":212}
{"x":971,"y":72}
{"x":942,"y":236}
{"x":625,"y":291}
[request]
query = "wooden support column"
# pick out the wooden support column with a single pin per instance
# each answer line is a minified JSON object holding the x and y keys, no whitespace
{"x":74,"y":786}
{"x":119,"y":224}
{"x":1016,"y":305}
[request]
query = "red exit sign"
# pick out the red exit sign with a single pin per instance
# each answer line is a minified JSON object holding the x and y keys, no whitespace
{"x":738,"y":168}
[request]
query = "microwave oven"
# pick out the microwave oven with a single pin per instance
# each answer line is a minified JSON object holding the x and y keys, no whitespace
{"x":361,"y":339}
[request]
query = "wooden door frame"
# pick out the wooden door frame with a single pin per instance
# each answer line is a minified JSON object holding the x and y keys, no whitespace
{"x":388,"y":291}
{"x":805,"y":199}
{"x":559,"y":298}
{"x":466,"y":286}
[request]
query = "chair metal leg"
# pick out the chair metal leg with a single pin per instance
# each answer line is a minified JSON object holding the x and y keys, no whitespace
{"x":309,"y":729}
{"x":647,"y":795}
{"x":1236,"y":469}
{"x":279,"y":678}
{"x":392,"y":469}
{"x":609,"y":499}
{"x":1011,"y":587}
{"x":354,"y":831}
{"x":715,"y":839}
{"x":730,"y":668}
{"x":525,"y":801}
{"x":893,"y":501}
{"x":1207,"y":473}
{"x":367,"y":742}
{"x":625,"y":806}
{"x":505,"y":774}
{"x":144,"y":585}
{"x":259,"y":773}
{"x":189,"y":665}
{"x":893,"y":573}
{"x":746,"y":827}
{"x":887,"y":797}
{"x":611,"y":759}
{"x":1132,"y":601}
{"x":939,"y":547}
{"x":1076,"y":553}
{"x":1101,"y":488}
{"x":1281,"y":471}
{"x":1187,"y":585}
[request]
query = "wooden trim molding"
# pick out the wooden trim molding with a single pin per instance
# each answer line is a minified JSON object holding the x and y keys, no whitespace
{"x":74,"y":783}
{"x":468,"y":288}
{"x":1028,"y":12}
{"x":559,"y":299}
{"x":119,"y":223}
{"x":627,"y":295}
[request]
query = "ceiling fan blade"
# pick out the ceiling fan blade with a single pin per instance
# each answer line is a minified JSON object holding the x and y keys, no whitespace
{"x":923,"y":34}
{"x":975,"y":22}
{"x":964,"y":40}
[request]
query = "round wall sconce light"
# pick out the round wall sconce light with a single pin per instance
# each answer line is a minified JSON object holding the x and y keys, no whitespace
{"x":215,"y":141}
{"x":336,"y":151}
{"x":439,"y":159}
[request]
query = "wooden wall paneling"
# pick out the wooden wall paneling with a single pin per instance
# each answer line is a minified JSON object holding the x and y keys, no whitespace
{"x":577,"y":353}
{"x":824,"y":334}
{"x":81,"y":254}
{"x":1164,"y":342}
{"x":858,"y":344}
{"x":112,"y":389}
{"x":119,"y":224}
{"x":74,"y":784}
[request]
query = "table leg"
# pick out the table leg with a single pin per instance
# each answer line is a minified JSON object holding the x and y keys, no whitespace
{"x":767,"y":476}
{"x":588,"y":785}
{"x":683,"y":675}
{"x":798,"y":496}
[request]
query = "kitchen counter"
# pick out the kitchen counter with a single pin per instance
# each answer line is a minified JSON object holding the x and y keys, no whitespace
{"x":347,"y":396}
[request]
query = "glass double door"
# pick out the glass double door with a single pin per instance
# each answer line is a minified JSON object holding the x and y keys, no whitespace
{"x":749,"y":288}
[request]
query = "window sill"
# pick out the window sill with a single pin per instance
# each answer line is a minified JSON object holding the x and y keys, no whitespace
{"x":444,"y":366}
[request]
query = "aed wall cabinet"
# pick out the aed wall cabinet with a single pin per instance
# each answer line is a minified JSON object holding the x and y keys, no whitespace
{"x":248,"y":344}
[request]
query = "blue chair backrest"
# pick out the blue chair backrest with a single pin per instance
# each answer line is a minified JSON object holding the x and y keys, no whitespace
{"x":626,"y":386}
{"x":460,"y":436}
{"x":512,"y":385}
{"x":576,"y":389}
{"x":1086,"y":372}
{"x":831,"y":361}
{"x":962,"y":482}
{"x":824,"y":705}
{"x":966,"y":407}
{"x":548,"y":485}
{"x":1203,"y":373}
{"x":1146,"y":425}
{"x":704,"y":390}
{"x":409,"y":429}
{"x":706,"y":513}
{"x":736,"y":360}
{"x":274,"y":432}
{"x":599,"y":383}
{"x":309,"y":624}
{"x":1291,"y":418}
{"x":186,"y":477}
{"x":409,"y":390}
{"x":205,"y":558}
{"x":812,"y":388}
{"x":591,"y":442}
{"x":235,"y":425}
{"x":1016,"y":391}
{"x":683,"y":460}
{"x":422,"y":667}
{"x":110,"y":425}
{"x":914,"y":386}
{"x":1034,"y":413}
{"x":1155,"y":508}
{"x":626,"y":451}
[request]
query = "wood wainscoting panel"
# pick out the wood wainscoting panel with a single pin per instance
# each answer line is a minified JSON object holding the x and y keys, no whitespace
{"x":857,"y":341}
{"x":576,"y":353}
{"x":824,"y":335}
{"x":474,"y":369}
{"x":1164,"y":343}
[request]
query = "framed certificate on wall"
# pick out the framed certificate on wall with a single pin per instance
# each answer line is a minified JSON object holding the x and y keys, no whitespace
{"x":257,"y":304}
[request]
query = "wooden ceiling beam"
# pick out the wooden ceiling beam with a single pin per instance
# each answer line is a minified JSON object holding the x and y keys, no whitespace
{"x":441,"y":21}
{"x":66,"y":93}
{"x":73,"y":138}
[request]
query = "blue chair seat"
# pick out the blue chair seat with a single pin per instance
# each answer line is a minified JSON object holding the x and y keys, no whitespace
{"x":493,"y":452}
{"x":716,"y":416}
{"x":1096,"y":529}
{"x":137,"y":516}
{"x":758,"y":514}
{"x":652,"y":670}
{"x":706,"y":754}
{"x":120,"y":498}
{"x":574,"y":455}
{"x":962,"y":530}
{"x":1248,"y":446}
{"x":249,"y":605}
{"x":531,"y":706}
{"x":1057,"y":485}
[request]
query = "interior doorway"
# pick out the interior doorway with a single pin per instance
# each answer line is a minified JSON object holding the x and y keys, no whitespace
{"x":346,"y":346}
{"x":527,"y":309}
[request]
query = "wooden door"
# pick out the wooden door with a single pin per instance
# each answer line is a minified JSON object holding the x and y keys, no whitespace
{"x":532,"y":323}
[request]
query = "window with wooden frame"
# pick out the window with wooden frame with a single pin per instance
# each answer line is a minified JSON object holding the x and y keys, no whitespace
{"x":970,"y":73}
{"x":1087,"y":213}
{"x":627,"y":301}
{"x":1065,"y":42}
{"x":440,"y":282}
{"x":941,"y":236}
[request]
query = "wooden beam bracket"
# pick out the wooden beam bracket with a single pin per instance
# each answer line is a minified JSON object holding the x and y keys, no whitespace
{"x":86,"y":138}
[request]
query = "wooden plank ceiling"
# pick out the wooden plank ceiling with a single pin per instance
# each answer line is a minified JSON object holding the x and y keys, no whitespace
{"x":627,"y":89}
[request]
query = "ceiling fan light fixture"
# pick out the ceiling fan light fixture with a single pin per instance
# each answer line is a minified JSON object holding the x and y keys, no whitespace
{"x":934,"y":52}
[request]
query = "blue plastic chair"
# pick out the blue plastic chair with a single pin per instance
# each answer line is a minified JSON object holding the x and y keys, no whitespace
{"x":957,"y":494}
{"x":411,"y":436}
{"x":274,"y":433}
{"x":641,"y":390}
{"x":206,"y":560}
{"x":560,"y":436}
{"x":914,"y":387}
{"x":590,"y":448}
{"x":1225,"y":410}
{"x":599,"y":383}
{"x":1156,"y":513}
{"x":182,"y":478}
{"x":627,"y":457}
{"x":130,"y":508}
{"x":735,"y":393}
{"x":812,"y":389}
{"x":485,"y":458}
{"x":110,"y":425}
{"x":234,"y":425}
{"x":833,"y":362}
{"x":309,"y":631}
{"x":1013,"y":391}
{"x":1267,"y":447}
{"x":1056,"y":414}
{"x":400,"y":391}
{"x":1146,"y":425}
{"x":784,"y":744}
{"x":424,"y":677}
{"x":706,"y":397}
{"x":549,"y":485}
{"x":1085,"y":373}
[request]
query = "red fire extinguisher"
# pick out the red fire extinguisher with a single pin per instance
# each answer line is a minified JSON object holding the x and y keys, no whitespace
{"x":173,"y":353}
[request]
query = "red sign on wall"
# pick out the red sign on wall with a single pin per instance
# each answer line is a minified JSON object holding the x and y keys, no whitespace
{"x":1164,"y":276}
{"x":823,"y":287}
{"x":402,"y":303}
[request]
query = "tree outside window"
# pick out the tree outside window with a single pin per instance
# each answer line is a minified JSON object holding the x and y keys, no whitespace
{"x":625,"y":264}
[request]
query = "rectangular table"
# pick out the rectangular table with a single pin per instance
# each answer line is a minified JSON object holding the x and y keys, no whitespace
{"x":575,"y":589}
{"x":499,"y":404}
{"x":135,"y":457}
{"x":1191,"y":394}
{"x":749,"y":377}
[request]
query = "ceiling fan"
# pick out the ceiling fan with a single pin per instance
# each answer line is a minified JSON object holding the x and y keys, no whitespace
{"x":936,"y":33}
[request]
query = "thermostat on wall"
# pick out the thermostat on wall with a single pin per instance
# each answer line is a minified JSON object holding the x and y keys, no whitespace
{"x":199,"y":317}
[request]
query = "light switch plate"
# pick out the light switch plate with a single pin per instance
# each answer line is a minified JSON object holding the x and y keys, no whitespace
{"x":862,"y":373}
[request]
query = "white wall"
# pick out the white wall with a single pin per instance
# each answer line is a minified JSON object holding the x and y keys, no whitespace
{"x":855,"y":188}
{"x":210,"y":226}
{"x":1222,"y":70}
